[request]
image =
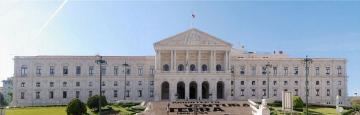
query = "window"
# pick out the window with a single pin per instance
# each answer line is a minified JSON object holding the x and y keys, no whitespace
{"x":139,"y":82}
{"x":51,"y":84}
{"x":64,"y":84}
{"x":140,"y":70}
{"x":296,"y":92}
{"x":65,"y":70}
{"x":77,"y":94}
{"x":51,"y":94}
{"x":327,"y":70}
{"x":180,"y":67}
{"x":77,"y":84}
{"x":140,"y":93}
{"x":264,"y":82}
{"x":328,"y":82}
{"x":152,"y":70}
{"x":253,"y":69}
{"x":151,"y":82}
{"x":275,"y":92}
{"x":285,"y":82}
{"x":37,"y":84}
{"x":274,"y":82}
{"x":91,"y":70}
{"x":317,"y":69}
{"x":115,"y":93}
{"x":242,"y":92}
{"x":151,"y":93}
{"x":204,"y":68}
{"x":102,"y":83}
{"x":23,"y":71}
{"x":296,"y":70}
{"x":127,"y":93}
{"x":103,"y":70}
{"x":296,"y":82}
{"x":339,"y":82}
{"x":127,"y":83}
{"x":116,"y":70}
{"x":22,"y":84}
{"x":103,"y":92}
{"x":242,"y":82}
{"x":52,"y":70}
{"x":275,"y":71}
{"x":90,"y":83}
{"x":253,"y":92}
{"x":286,"y":69}
{"x":264,"y":92}
{"x":22,"y":95}
{"x":339,"y":70}
{"x":192,"y":67}
{"x":64,"y":94}
{"x":327,"y":92}
{"x":78,"y":70}
{"x":166,"y":67}
{"x":252,"y":82}
{"x":127,"y":71}
{"x":37,"y":95}
{"x":90,"y":93}
{"x":339,"y":92}
{"x":317,"y":82}
{"x":115,"y":83}
{"x":218,"y":67}
{"x":242,"y":70}
{"x":317,"y":92}
{"x":38,"y":70}
{"x":264,"y":70}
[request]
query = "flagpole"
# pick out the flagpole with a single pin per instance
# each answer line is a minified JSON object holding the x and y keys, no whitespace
{"x":192,"y":19}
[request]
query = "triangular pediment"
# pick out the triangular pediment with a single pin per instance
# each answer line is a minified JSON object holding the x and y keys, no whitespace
{"x":192,"y":37}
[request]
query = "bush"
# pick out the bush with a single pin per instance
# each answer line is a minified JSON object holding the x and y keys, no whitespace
{"x":93,"y":102}
{"x":76,"y":107}
{"x":297,"y":102}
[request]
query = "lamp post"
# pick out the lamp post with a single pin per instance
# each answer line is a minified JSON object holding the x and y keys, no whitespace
{"x":100,"y":62}
{"x":125,"y":65}
{"x":307,"y":61}
{"x":267,"y":67}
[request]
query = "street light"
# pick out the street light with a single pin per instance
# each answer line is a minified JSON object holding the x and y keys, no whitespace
{"x":307,"y":61}
{"x":125,"y":72}
{"x":100,"y":62}
{"x":267,"y":67}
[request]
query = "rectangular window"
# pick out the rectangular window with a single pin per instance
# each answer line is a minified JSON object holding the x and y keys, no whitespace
{"x":116,"y":70}
{"x":339,"y":92}
{"x":51,"y":94}
{"x":296,"y":82}
{"x":296,"y":92}
{"x":252,"y":82}
{"x":37,"y":95}
{"x":77,"y":84}
{"x":90,"y":84}
{"x":91,"y":70}
{"x":264,"y":82}
{"x":275,"y":71}
{"x":151,"y":93}
{"x":317,"y":71}
{"x":242,"y":70}
{"x":140,"y":70}
{"x":327,"y":70}
{"x":317,"y":92}
{"x":263,"y":70}
{"x":242,"y":82}
{"x":152,"y":70}
{"x":317,"y":82}
{"x":127,"y":93}
{"x":127,"y":83}
{"x":264,"y":92}
{"x":253,"y":69}
{"x":64,"y":94}
{"x":52,"y":70}
{"x":242,"y":92}
{"x":22,"y":84}
{"x":296,"y":70}
{"x":51,"y":84}
{"x":23,"y":71}
{"x":78,"y":70}
{"x":286,"y":69}
{"x":151,"y":82}
{"x":275,"y":92}
{"x":77,"y":94}
{"x":103,"y":83}
{"x":339,"y":82}
{"x":65,"y":70}
{"x":37,"y":84}
{"x":339,"y":70}
{"x":328,"y":82}
{"x":38,"y":70}
{"x":64,"y":84}
{"x":285,"y":82}
{"x":22,"y":95}
{"x":103,"y":70}
{"x":115,"y":83}
{"x":140,"y":93}
{"x":90,"y":93}
{"x":139,"y":82}
{"x":253,"y":92}
{"x":115,"y":93}
{"x":327,"y":92}
{"x":103,"y":92}
{"x":274,"y":82}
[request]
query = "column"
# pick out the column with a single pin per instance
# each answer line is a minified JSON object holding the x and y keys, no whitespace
{"x":199,"y":89}
{"x":187,"y":64}
{"x":226,"y":61}
{"x":186,"y":90}
{"x":210,"y":61}
{"x":172,"y":90}
{"x":175,"y":67}
{"x":214,"y":65}
{"x":172,"y":60}
{"x":199,"y":61}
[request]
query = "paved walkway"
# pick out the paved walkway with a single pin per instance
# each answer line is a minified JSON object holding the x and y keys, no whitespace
{"x":202,"y":107}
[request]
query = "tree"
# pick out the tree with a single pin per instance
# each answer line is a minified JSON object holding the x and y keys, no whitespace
{"x":2,"y":100}
{"x":93,"y":102}
{"x":76,"y":107}
{"x":297,"y":102}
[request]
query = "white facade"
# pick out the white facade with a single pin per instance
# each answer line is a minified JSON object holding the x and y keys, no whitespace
{"x":189,"y":65}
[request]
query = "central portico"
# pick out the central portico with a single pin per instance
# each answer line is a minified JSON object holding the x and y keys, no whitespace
{"x":192,"y":65}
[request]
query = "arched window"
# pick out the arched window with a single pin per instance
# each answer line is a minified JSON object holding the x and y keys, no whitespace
{"x":192,"y":67}
{"x":218,"y":67}
{"x":181,"y":67}
{"x":204,"y":67}
{"x":166,"y":67}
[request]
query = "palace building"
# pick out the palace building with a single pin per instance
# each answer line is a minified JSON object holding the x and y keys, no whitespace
{"x":191,"y":65}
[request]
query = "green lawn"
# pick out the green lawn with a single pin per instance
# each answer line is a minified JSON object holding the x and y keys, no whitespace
{"x":312,"y":110}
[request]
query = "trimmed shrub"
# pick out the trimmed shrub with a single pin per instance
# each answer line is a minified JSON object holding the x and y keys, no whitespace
{"x":297,"y":102}
{"x":93,"y":102}
{"x":76,"y":107}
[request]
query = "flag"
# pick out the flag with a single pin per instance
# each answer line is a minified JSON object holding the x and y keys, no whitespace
{"x":193,"y":15}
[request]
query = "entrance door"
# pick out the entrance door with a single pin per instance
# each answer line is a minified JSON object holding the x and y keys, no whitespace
{"x":205,"y":90}
{"x":165,"y":91}
{"x":193,"y":90}
{"x":220,"y":90}
{"x":180,"y":90}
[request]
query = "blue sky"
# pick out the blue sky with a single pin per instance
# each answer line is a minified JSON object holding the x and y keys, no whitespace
{"x":317,"y":29}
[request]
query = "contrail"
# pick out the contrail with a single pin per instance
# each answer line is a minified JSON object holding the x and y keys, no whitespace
{"x":51,"y":17}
